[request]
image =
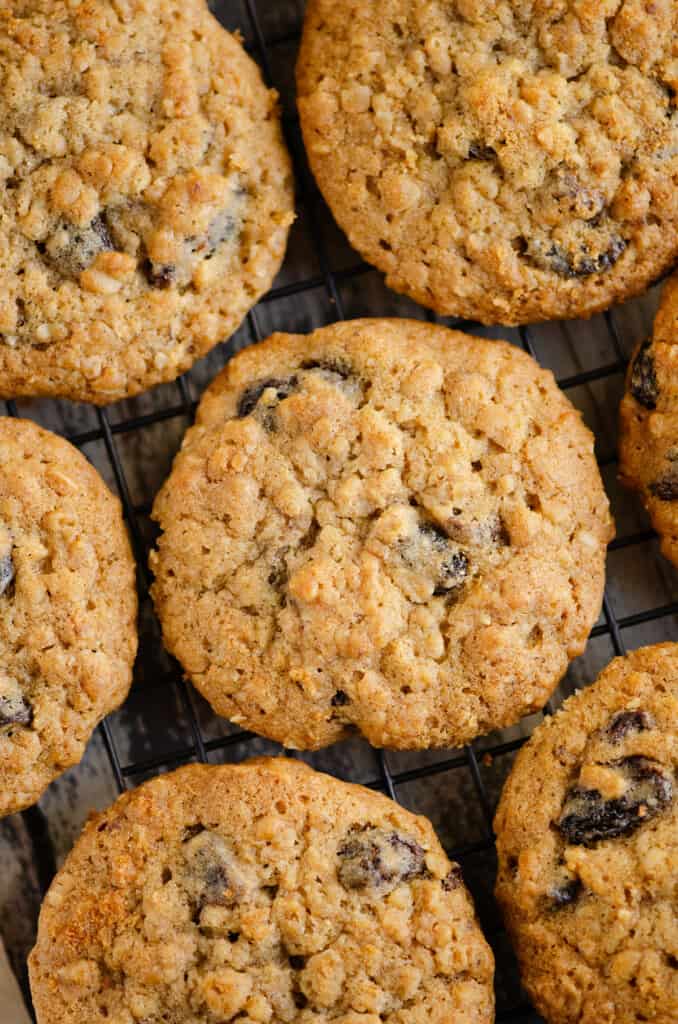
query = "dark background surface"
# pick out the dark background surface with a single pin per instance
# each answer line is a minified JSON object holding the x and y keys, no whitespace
{"x":164,"y":722}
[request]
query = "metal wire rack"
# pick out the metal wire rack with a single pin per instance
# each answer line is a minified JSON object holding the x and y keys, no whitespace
{"x":594,"y":380}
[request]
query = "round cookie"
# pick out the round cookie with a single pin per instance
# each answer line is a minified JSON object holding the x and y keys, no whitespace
{"x":67,"y":608}
{"x":146,"y":193}
{"x":262,"y":891}
{"x":648,"y":435}
{"x":502,"y":161}
{"x":587,"y":838}
{"x":384,"y":525}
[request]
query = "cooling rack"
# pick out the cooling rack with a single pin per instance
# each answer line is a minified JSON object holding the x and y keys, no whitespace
{"x":164,"y":723}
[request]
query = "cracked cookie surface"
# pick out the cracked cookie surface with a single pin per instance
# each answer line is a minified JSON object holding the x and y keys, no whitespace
{"x":67,"y":608}
{"x":503,"y":161}
{"x":259,"y":892}
{"x":648,"y":434}
{"x":587,"y":838}
{"x":383,"y":525}
{"x":145,"y":193}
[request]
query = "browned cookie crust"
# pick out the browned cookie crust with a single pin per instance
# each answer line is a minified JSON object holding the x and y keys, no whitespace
{"x":648,"y":442}
{"x":67,"y":608}
{"x":145,"y":193}
{"x":587,"y":837}
{"x":262,"y":892}
{"x":503,"y":161}
{"x":384,"y":525}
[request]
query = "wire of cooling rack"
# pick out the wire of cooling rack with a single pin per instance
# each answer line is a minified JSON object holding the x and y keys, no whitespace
{"x":199,"y":748}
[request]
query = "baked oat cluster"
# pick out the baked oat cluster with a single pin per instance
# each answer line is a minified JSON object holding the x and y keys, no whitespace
{"x":384,"y":525}
{"x":648,"y":448}
{"x":587,"y":837}
{"x":260,"y":892}
{"x":503,"y":161}
{"x":67,"y":608}
{"x":145,"y":193}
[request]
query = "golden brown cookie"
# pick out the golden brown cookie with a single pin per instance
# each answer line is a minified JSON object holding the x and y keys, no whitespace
{"x":261,"y":892}
{"x":145,"y":193}
{"x":67,"y":608}
{"x":383,"y":525}
{"x":648,"y":436}
{"x":587,"y":837}
{"x":502,"y":161}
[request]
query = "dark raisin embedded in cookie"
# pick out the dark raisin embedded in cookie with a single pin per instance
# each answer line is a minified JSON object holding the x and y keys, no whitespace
{"x":6,"y":571}
{"x":212,"y":877}
{"x":192,"y":830}
{"x":565,"y":894}
{"x":589,"y":818}
{"x":160,"y":275}
{"x":252,"y":395}
{"x":72,"y":249}
{"x":666,"y":488}
{"x":626,"y":722}
{"x":602,"y":262}
{"x":448,"y":563}
{"x":644,"y":377}
{"x":452,"y":575}
{"x":337,"y":366}
{"x":372,"y":858}
{"x":340,"y":699}
{"x":278,"y":574}
{"x":15,"y":709}
{"x":222,"y":228}
{"x":585,"y":203}
{"x":576,"y":264}
{"x":453,"y":879}
{"x":574,"y":199}
{"x":477,"y":151}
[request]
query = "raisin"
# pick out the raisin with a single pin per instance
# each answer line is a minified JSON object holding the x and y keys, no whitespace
{"x":576,"y":199}
{"x":278,"y":574}
{"x":601,"y":263}
{"x":621,"y":724}
{"x":251,"y":395}
{"x":453,"y":574}
{"x":15,"y":710}
{"x":72,"y":249}
{"x":666,"y":488}
{"x":372,"y":858}
{"x":452,"y":879}
{"x":6,"y":572}
{"x":644,"y":377}
{"x":566,"y":894}
{"x":340,"y":699}
{"x":449,"y":564}
{"x":477,"y":151}
{"x":581,"y":264}
{"x":338,"y":366}
{"x":192,"y":830}
{"x":499,"y":533}
{"x":212,"y":877}
{"x":588,"y":818}
{"x":160,"y":275}
{"x":221,"y":229}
